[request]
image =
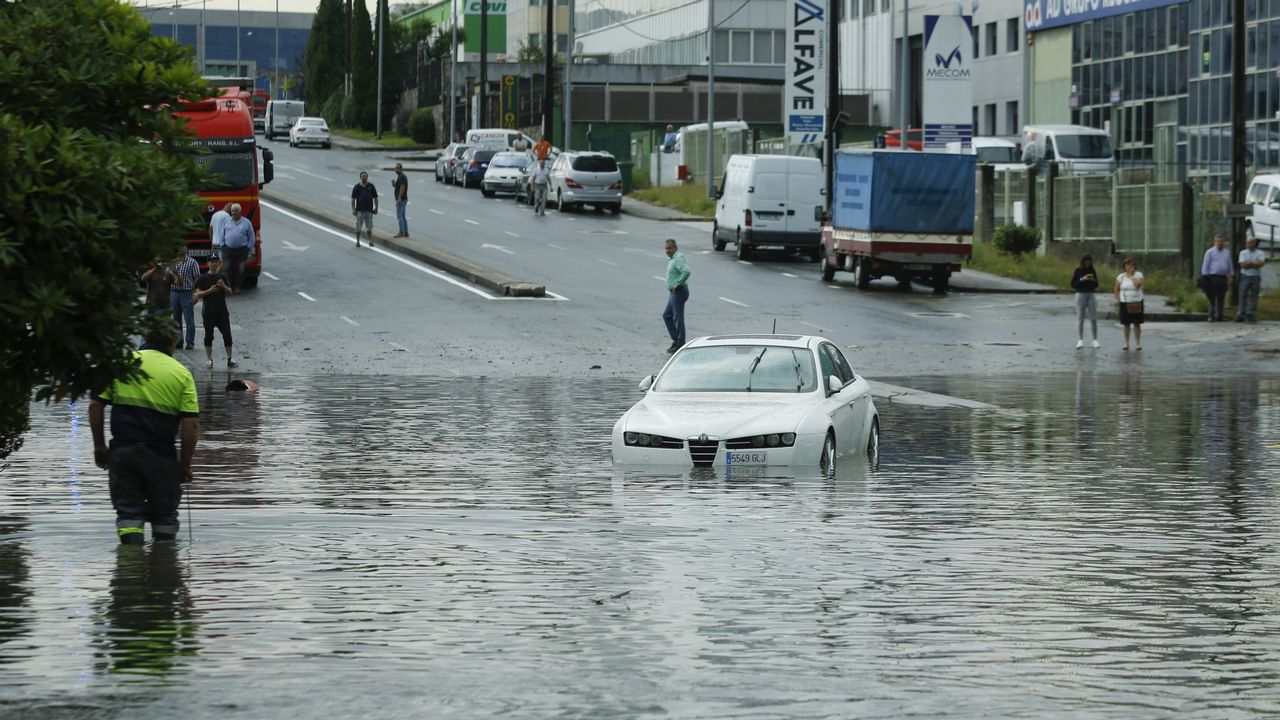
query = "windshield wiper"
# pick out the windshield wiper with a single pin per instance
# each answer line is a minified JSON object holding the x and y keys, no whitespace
{"x":799,"y":375}
{"x":754,"y":364}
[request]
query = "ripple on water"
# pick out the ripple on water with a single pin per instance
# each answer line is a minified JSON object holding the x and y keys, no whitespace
{"x":1096,"y":546}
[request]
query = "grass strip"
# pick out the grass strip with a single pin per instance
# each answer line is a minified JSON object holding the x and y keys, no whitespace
{"x":691,"y":199}
{"x":389,"y":139}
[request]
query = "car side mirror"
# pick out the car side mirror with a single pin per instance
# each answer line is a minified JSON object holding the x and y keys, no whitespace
{"x":268,"y":167}
{"x":646,"y":383}
{"x":820,"y":214}
{"x":834,"y":385}
{"x":1274,"y":206}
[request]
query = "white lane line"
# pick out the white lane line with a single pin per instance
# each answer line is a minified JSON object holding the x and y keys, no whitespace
{"x":282,"y":176}
{"x":735,"y":302}
{"x":815,"y":327}
{"x":347,"y":319}
{"x":499,"y":248}
{"x":273,"y":277}
{"x":308,"y":172}
{"x":510,"y":233}
{"x":607,"y":262}
{"x":393,"y":256}
{"x":745,"y":262}
{"x":435,"y":211}
{"x":659,"y":279}
{"x":789,"y":275}
{"x":306,"y":296}
{"x":645,"y":253}
{"x":554,"y":246}
{"x":473,"y":222}
{"x":398,"y":346}
{"x":835,"y":287}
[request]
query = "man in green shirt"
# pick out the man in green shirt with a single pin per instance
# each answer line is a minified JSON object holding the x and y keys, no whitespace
{"x":677,"y":295}
{"x":145,"y":474}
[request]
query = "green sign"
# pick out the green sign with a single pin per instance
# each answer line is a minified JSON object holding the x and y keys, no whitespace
{"x":497,"y":26}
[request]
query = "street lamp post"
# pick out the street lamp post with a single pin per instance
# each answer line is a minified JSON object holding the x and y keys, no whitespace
{"x":453,"y":74}
{"x":276,"y":88}
{"x":904,"y":104}
{"x":382,"y":35}
{"x":237,"y":38}
{"x":711,"y":96}
{"x":568,"y":84}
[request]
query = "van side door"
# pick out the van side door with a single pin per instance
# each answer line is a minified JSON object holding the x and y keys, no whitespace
{"x":803,"y":183}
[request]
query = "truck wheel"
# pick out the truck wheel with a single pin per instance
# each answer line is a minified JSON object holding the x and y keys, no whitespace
{"x":250,"y":279}
{"x":941,"y":282}
{"x":744,"y":252}
{"x":862,"y":273}
{"x":716,"y":242}
{"x":828,"y":270}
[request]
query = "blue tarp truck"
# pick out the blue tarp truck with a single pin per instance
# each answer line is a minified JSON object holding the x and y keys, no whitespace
{"x":900,"y":214}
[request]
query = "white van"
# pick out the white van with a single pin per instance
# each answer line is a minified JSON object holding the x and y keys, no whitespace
{"x":1264,"y":224}
{"x":1077,"y":149}
{"x":500,"y":138}
{"x":768,"y":201}
{"x":281,"y":114}
{"x":1001,"y":153}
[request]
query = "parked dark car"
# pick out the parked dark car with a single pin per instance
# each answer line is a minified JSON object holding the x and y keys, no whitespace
{"x":472,"y":166}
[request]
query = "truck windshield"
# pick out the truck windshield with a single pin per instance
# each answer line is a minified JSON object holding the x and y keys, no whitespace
{"x":1083,"y":147}
{"x":998,"y":155}
{"x":229,"y":171}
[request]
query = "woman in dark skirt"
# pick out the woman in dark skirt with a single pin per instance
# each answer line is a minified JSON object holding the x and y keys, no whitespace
{"x":1129,"y":295}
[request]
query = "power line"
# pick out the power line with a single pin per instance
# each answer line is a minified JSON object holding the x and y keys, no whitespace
{"x":625,"y":26}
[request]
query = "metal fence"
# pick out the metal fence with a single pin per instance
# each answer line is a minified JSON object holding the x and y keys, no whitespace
{"x":724,"y":143}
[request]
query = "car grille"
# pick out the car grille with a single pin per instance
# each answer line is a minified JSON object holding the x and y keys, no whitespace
{"x":703,"y":452}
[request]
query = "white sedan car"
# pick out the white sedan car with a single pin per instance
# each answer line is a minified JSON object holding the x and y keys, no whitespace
{"x":309,"y":131}
{"x":743,"y":400}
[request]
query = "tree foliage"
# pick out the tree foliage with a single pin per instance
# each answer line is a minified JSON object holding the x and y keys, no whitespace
{"x":326,"y":51}
{"x":1016,"y":240}
{"x":93,"y":184}
{"x":390,"y":68}
{"x":364,"y":76}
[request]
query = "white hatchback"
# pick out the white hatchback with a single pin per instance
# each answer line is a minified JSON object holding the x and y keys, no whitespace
{"x":503,"y":173}
{"x":310,"y":131}
{"x":751,"y":400}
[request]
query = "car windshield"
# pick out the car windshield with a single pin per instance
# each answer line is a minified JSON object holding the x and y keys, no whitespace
{"x":484,"y":155}
{"x":310,"y":121}
{"x":228,"y":171}
{"x":740,"y":368}
{"x":508,"y":161}
{"x":595,"y":163}
{"x":998,"y":155}
{"x":461,"y":150}
{"x":1084,"y":147}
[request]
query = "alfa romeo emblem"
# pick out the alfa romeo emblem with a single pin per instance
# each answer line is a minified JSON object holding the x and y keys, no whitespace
{"x":702,"y":437}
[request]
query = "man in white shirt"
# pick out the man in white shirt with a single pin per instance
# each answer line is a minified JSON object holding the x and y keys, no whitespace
{"x":1251,"y":261}
{"x":216,"y":223}
{"x":540,"y":179}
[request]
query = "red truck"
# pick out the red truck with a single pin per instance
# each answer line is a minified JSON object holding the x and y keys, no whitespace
{"x":224,"y":141}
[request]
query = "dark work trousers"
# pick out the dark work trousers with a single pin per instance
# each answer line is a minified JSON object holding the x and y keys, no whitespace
{"x":1215,"y":288}
{"x":222,"y":322}
{"x":146,"y":487}
{"x":673,"y":315}
{"x":234,"y":259}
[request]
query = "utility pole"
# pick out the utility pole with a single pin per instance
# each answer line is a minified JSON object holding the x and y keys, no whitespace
{"x":346,"y":78}
{"x":382,"y":34}
{"x":275,"y":88}
{"x":904,"y":105}
{"x":484,"y":62}
{"x":1238,"y":149}
{"x":204,"y":55}
{"x":548,"y":99}
{"x":175,"y":20}
{"x":832,"y":140}
{"x":711,"y":96}
{"x":238,"y":73}
{"x":453,"y":75}
{"x":568,"y":84}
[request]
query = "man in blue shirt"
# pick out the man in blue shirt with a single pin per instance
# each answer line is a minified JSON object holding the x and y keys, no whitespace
{"x":364,"y":205}
{"x":238,"y":240}
{"x":1217,"y":274}
{"x":677,"y":295}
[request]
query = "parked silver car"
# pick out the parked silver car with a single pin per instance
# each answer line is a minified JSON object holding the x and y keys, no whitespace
{"x":447,"y":160}
{"x":586,"y":178}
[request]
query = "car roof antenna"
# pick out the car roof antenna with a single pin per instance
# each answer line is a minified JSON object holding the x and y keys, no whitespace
{"x":775,"y":326}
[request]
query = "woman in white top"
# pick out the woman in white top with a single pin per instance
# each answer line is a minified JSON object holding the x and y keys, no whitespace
{"x":1129,"y":294}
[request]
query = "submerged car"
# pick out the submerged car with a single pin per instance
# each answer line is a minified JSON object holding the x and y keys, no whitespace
{"x":750,"y":400}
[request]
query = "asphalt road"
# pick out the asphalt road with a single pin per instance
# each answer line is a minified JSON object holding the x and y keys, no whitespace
{"x":327,"y":307}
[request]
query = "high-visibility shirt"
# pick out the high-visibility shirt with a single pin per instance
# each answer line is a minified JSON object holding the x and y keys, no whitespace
{"x":148,"y":409}
{"x":542,"y":149}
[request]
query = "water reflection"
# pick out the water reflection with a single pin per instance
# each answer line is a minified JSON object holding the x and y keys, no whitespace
{"x":1095,"y":546}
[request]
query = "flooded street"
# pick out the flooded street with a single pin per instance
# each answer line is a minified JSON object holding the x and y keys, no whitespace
{"x":1100,"y":546}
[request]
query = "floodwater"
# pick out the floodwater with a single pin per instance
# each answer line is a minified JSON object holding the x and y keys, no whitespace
{"x":1093,"y":546}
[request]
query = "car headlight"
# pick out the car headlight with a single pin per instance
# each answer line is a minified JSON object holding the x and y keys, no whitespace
{"x":773,"y":440}
{"x":639,"y":439}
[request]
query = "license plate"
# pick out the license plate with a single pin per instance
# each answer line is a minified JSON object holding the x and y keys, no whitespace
{"x":758,"y":457}
{"x":199,"y":253}
{"x":917,"y":266}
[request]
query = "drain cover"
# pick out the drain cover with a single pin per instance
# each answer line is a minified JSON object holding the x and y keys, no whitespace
{"x":939,"y":313}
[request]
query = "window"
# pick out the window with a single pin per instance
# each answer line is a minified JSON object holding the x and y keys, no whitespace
{"x":722,"y":46}
{"x":869,"y":7}
{"x":741,"y":47}
{"x":854,"y":9}
{"x":764,"y":47}
{"x":829,"y":366}
{"x":779,"y":46}
{"x":976,"y":45}
{"x":886,"y":6}
{"x":975,"y":120}
{"x":1011,"y":117}
{"x":991,"y":39}
{"x":990,"y":119}
{"x":1011,"y":35}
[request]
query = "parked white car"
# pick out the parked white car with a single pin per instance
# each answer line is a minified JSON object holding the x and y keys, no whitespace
{"x":1264,"y":224}
{"x":586,"y":178}
{"x":310,"y":131}
{"x":503,"y":173}
{"x":751,"y":400}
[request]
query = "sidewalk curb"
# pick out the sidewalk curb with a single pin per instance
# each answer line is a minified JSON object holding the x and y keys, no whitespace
{"x":649,"y":211}
{"x":1006,"y":291}
{"x":487,"y":278}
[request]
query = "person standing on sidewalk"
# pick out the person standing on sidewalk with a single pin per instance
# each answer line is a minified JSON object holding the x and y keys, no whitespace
{"x":238,"y":240}
{"x":1217,"y":275}
{"x":364,"y":205}
{"x":1251,"y":261}
{"x":540,"y":179}
{"x":400,"y":186}
{"x":185,"y":271}
{"x":1084,"y":280}
{"x":158,"y":281}
{"x":144,"y":473}
{"x":1129,"y":295}
{"x":213,"y":288}
{"x":677,"y":295}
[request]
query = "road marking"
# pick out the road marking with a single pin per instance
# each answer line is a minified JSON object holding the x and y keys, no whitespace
{"x":353,"y":322}
{"x":745,"y":262}
{"x":789,"y":275}
{"x":608,"y":262}
{"x":815,"y":327}
{"x":306,"y":296}
{"x":398,"y":346}
{"x":308,"y":172}
{"x":659,"y":279}
{"x":835,"y":287}
{"x":273,"y":277}
{"x":499,"y":248}
{"x":735,"y":302}
{"x":290,"y":246}
{"x":282,"y":176}
{"x":510,"y":233}
{"x":554,"y":246}
{"x":473,"y":222}
{"x":435,"y":211}
{"x":403,"y":261}
{"x":646,"y":253}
